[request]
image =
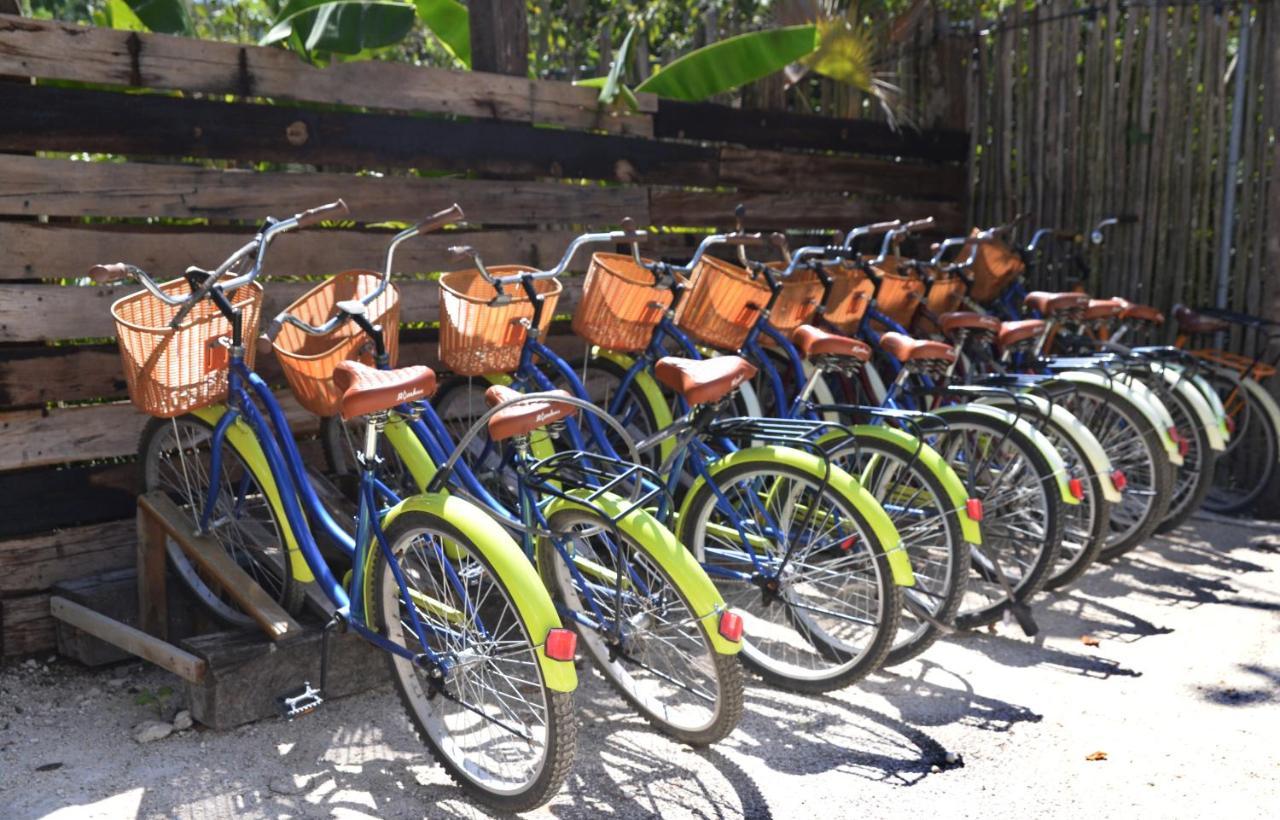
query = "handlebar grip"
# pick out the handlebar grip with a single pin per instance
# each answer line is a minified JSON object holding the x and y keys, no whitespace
{"x":745,"y":240}
{"x":439,"y":219}
{"x":333,"y":210}
{"x":1127,"y":219}
{"x":1067,"y":236}
{"x":108,"y":273}
{"x":462,"y":253}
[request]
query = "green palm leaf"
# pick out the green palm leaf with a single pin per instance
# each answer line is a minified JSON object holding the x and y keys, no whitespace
{"x":727,"y":64}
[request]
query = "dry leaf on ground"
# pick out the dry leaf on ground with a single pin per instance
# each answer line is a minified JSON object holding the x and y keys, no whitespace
{"x":1089,"y":640}
{"x":1097,"y":756}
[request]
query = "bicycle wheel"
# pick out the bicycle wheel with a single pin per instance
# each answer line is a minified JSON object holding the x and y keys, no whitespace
{"x":1136,"y":449}
{"x":491,"y":722}
{"x":1245,"y":470}
{"x":1022,"y":518}
{"x":343,"y":440}
{"x":1084,"y":530}
{"x":920,"y":508}
{"x":176,"y":456}
{"x":818,"y":619}
{"x":1193,"y":479}
{"x":459,"y":402}
{"x":603,"y":380}
{"x":646,"y":638}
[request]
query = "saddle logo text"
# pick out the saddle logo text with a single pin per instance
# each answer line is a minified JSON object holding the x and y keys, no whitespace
{"x":412,"y":393}
{"x":547,"y":415}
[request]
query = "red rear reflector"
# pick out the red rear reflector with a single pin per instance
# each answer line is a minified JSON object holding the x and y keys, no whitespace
{"x":561,"y":644}
{"x":847,"y":544}
{"x":731,"y":626}
{"x":974,"y":508}
{"x":1231,"y":425}
{"x":1180,"y":440}
{"x":1118,"y":479}
{"x":1077,"y":489}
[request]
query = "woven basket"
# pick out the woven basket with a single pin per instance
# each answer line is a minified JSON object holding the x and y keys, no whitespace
{"x":477,"y":338}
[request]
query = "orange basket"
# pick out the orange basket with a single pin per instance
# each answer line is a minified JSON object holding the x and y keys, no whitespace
{"x":801,"y":293}
{"x":995,"y":267}
{"x":309,"y":361}
{"x":900,"y":294}
{"x":944,"y":296}
{"x":851,"y":290}
{"x":620,"y":307}
{"x":477,"y":338}
{"x":171,"y":372}
{"x":723,"y":303}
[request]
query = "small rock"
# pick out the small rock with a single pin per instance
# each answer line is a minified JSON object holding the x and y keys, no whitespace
{"x":51,"y":659}
{"x":182,"y":721}
{"x":953,"y":759}
{"x":935,"y":768}
{"x":93,"y":693}
{"x":117,"y":683}
{"x":48,"y":767}
{"x":150,"y":730}
{"x":31,"y":663}
{"x":286,"y":784}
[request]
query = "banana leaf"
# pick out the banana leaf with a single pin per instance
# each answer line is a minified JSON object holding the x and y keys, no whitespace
{"x":117,"y":14}
{"x":730,"y":63}
{"x":164,"y":16}
{"x":342,"y":26}
{"x":450,"y":22}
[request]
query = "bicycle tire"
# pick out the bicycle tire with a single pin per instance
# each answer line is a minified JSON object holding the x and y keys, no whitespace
{"x":1041,"y":491}
{"x":632,"y":668}
{"x":259,"y":549}
{"x":426,"y":705}
{"x":1194,"y":477}
{"x":842,"y":666}
{"x":1084,"y":530}
{"x":941,"y":569}
{"x":1245,"y":462}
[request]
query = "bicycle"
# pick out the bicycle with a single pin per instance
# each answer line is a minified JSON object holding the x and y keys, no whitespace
{"x":480,"y":659}
{"x":766,"y":521}
{"x":644,"y":611}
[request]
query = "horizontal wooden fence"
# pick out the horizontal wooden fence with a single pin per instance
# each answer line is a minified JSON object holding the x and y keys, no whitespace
{"x":165,"y":152}
{"x":1082,"y":109}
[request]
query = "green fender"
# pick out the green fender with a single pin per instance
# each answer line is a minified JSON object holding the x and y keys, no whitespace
{"x":1099,"y":462}
{"x":1152,"y":409}
{"x":1038,"y":439}
{"x":661,"y":545}
{"x":1215,"y":402}
{"x":246,"y":445}
{"x":508,"y":562}
{"x":932,"y":461}
{"x":652,"y":395}
{"x":1199,"y":405}
{"x":863,"y":501}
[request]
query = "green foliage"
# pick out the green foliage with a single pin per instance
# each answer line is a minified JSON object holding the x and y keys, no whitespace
{"x":730,"y":63}
{"x":117,"y":14}
{"x":450,"y":22}
{"x":612,"y":83}
{"x":165,"y":16}
{"x":341,"y":26}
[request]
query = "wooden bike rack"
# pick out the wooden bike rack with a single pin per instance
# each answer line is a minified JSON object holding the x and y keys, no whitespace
{"x":232,"y":677}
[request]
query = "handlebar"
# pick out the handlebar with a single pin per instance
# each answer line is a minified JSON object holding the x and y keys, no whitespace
{"x":628,"y":235}
{"x":1096,"y":237}
{"x":451,"y":215}
{"x":257,"y":247}
{"x":1060,"y":235}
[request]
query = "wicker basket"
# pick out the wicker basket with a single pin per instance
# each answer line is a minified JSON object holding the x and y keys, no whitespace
{"x":995,"y":268}
{"x":851,"y":291}
{"x":900,"y":294}
{"x":477,"y":338}
{"x":620,"y":307}
{"x":171,"y":372}
{"x":309,"y":361}
{"x":945,"y":295}
{"x":723,"y":303}
{"x":798,"y":301}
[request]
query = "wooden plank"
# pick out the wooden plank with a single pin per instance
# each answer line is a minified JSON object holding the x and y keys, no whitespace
{"x":800,"y":210}
{"x":34,"y":563}
{"x":775,"y":129}
{"x":59,"y":251}
{"x":150,"y":578}
{"x":45,"y":498}
{"x":756,"y":170}
{"x":135,"y":641}
{"x":499,"y":36}
{"x":40,"y":312}
{"x":30,"y":438}
{"x":26,"y":625}
{"x":30,"y":186}
{"x":40,"y":48}
{"x":75,"y":119}
{"x":213,"y":561}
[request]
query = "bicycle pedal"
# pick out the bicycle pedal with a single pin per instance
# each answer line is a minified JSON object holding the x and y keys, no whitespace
{"x":301,"y":701}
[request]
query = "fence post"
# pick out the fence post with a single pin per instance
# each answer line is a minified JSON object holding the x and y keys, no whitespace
{"x":1229,"y":186}
{"x":499,"y":36}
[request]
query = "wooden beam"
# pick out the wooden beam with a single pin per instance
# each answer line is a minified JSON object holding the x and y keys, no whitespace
{"x":40,"y":48}
{"x":77,"y":119}
{"x":61,"y":251}
{"x":151,"y":578}
{"x":752,"y":169}
{"x":34,"y":563}
{"x":799,"y":210}
{"x":774,"y":129}
{"x":30,"y":186}
{"x":135,"y":641}
{"x":26,"y":625}
{"x":213,"y":562}
{"x":499,"y":36}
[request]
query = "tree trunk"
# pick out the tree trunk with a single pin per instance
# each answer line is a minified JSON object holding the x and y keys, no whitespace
{"x":500,"y":36}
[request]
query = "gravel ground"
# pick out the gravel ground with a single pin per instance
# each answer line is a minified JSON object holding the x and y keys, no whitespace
{"x":1179,"y":693}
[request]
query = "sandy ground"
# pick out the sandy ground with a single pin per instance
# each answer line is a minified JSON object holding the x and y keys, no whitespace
{"x":1181,"y":694}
